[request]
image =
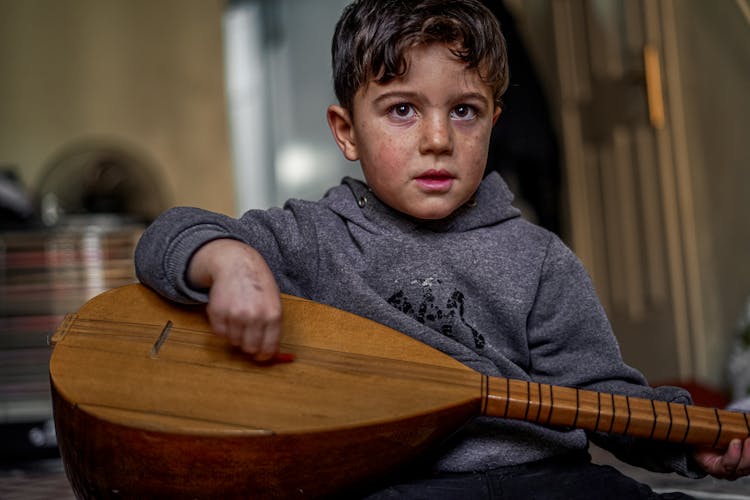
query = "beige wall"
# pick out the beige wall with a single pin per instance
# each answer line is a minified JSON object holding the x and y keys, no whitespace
{"x":147,"y":74}
{"x":707,"y":77}
{"x":713,"y":40}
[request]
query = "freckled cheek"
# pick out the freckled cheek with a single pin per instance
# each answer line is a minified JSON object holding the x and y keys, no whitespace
{"x":476,"y":144}
{"x":481,"y":144}
{"x":391,"y":162}
{"x":391,"y":157}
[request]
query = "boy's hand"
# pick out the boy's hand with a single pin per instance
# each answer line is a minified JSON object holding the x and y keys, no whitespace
{"x":244,"y":303}
{"x":732,"y":463}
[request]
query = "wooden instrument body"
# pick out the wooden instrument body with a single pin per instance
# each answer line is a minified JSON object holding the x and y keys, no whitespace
{"x":148,"y":403}
{"x":107,"y":460}
{"x":205,"y":422}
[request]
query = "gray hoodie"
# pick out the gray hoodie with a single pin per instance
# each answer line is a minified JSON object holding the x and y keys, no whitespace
{"x":501,"y":295}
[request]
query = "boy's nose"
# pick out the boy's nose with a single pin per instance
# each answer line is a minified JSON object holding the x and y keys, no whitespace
{"x":437,"y":135}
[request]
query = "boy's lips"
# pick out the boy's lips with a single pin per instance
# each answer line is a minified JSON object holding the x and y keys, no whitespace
{"x":435,"y":180}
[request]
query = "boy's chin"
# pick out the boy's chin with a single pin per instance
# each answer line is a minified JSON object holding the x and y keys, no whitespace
{"x":433,"y":207}
{"x":431,"y":213}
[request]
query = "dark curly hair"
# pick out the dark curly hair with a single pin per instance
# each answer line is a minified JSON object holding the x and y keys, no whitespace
{"x":373,"y":36}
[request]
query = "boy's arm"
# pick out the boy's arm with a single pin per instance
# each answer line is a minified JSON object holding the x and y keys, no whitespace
{"x":570,"y":339}
{"x":244,"y":302}
{"x":571,"y":343}
{"x":237,"y":266}
{"x":287,"y":240}
{"x":569,"y":322}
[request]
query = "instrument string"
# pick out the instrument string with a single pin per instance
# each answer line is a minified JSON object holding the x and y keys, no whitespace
{"x":110,"y":327}
{"x":206,"y":340}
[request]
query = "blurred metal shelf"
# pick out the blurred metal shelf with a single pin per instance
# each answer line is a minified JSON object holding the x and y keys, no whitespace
{"x":46,"y":273}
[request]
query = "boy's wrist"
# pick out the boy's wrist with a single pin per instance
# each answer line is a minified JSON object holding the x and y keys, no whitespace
{"x":209,"y":260}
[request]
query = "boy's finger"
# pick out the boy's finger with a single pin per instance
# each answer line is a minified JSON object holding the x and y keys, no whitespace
{"x":743,"y":467}
{"x":731,"y":458}
{"x":251,"y":339}
{"x":218,"y":324}
{"x":270,"y":342}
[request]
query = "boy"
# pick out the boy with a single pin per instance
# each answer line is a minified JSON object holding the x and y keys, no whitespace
{"x":429,"y":248}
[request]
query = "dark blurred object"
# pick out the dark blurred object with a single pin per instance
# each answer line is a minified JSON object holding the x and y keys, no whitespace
{"x":28,"y":441}
{"x":16,"y":207}
{"x":524,"y":146}
{"x":100,"y":177}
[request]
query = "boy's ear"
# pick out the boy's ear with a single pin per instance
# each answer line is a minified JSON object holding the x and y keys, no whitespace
{"x":496,"y":114}
{"x":340,"y":121}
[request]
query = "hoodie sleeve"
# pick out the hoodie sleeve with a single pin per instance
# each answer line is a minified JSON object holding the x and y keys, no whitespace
{"x":284,"y":237}
{"x":571,"y":343}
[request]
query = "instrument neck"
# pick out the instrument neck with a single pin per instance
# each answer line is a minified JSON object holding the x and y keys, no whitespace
{"x":566,"y":407}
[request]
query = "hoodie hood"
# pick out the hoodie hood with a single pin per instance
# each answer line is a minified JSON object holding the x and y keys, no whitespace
{"x":354,"y":201}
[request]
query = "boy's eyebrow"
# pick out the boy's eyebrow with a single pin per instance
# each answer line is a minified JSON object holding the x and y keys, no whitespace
{"x":409,"y":95}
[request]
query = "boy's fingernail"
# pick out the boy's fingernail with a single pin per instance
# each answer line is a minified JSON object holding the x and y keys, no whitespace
{"x":279,"y":357}
{"x":283,"y":357}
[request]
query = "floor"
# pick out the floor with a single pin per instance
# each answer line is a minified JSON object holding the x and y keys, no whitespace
{"x":34,"y":480}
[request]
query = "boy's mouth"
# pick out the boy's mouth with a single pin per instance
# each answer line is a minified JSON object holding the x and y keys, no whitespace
{"x":435,"y":180}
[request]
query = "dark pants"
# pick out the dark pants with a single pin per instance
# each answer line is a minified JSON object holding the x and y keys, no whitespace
{"x":561,"y":478}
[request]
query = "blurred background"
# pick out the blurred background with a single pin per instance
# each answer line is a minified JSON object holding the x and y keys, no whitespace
{"x":625,"y":131}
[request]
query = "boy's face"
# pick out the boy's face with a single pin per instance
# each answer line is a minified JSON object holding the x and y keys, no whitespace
{"x":422,"y":139}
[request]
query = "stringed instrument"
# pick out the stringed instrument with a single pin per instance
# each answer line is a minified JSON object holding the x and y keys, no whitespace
{"x":148,"y":403}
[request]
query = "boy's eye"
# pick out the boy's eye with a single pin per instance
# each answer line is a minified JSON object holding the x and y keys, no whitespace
{"x":402,"y":111}
{"x":463,"y":112}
